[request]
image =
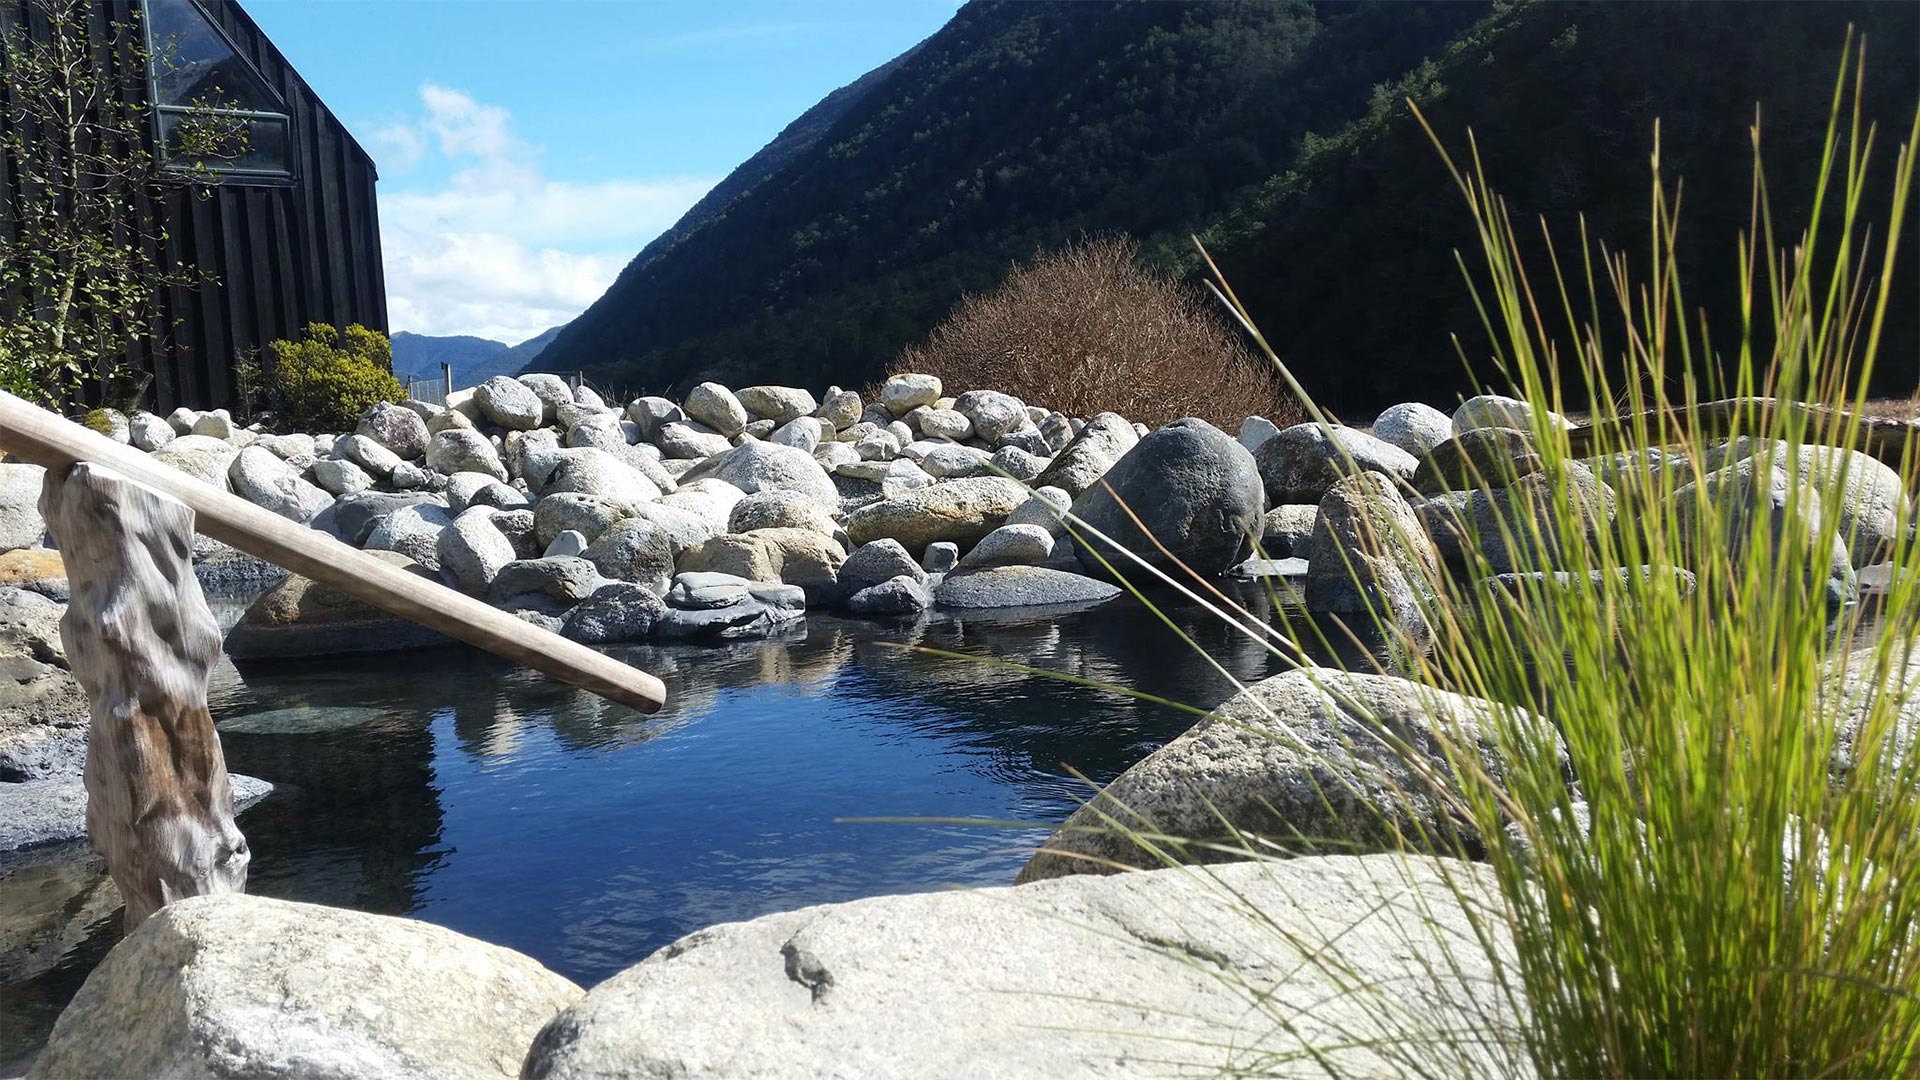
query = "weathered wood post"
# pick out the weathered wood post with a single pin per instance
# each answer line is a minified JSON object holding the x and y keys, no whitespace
{"x":142,"y":641}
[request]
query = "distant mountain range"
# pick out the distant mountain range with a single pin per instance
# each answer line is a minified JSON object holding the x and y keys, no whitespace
{"x":474,"y":359}
{"x":1277,"y":130}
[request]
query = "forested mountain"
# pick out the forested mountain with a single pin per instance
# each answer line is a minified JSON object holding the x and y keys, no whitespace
{"x":1272,"y":127}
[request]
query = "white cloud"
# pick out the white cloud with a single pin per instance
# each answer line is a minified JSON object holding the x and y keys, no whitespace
{"x":500,"y":250}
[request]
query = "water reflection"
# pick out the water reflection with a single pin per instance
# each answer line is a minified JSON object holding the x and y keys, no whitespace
{"x":456,"y":788}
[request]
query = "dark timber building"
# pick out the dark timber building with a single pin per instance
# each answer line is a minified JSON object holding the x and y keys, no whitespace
{"x":290,"y":234}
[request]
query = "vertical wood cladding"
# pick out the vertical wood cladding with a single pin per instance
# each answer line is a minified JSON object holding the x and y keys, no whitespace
{"x":284,"y":253}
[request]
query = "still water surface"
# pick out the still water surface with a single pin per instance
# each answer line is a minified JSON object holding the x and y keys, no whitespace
{"x":447,"y":786}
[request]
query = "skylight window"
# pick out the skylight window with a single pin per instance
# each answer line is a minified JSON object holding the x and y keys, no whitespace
{"x":216,"y":111}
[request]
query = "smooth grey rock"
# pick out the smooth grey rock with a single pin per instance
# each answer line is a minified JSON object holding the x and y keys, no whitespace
{"x":1196,"y":491}
{"x":264,"y":480}
{"x":1044,"y":508}
{"x":568,"y":542}
{"x":149,"y":432}
{"x":340,"y":477}
{"x":901,"y":394}
{"x":901,"y":595}
{"x":763,"y":466}
{"x":954,"y":461}
{"x":217,"y":424}
{"x":948,"y":424}
{"x":531,"y":456}
{"x":1463,"y":523}
{"x":1302,"y":761}
{"x":636,"y":550}
{"x":473,"y":550}
{"x":1103,"y":441}
{"x":650,"y":414}
{"x":1010,"y":545}
{"x":458,"y":450}
{"x":1370,"y":557}
{"x":413,"y":531}
{"x":779,"y":404}
{"x":1027,"y":440}
{"x":563,"y":578}
{"x":939,"y":557}
{"x":1020,"y":464}
{"x":1478,"y":458}
{"x":397,"y":428}
{"x":1020,"y":586}
{"x":712,"y":499}
{"x":1868,"y":495}
{"x":780,"y":509}
{"x":354,"y":515}
{"x":717,"y":407}
{"x":839,"y":408}
{"x":801,"y":433}
{"x":1737,"y":495}
{"x":1287,"y":531}
{"x":1303,"y":461}
{"x":468,"y":489}
{"x":992,"y":413}
{"x":588,"y":515}
{"x":961,"y":511}
{"x":552,"y":390}
{"x":242,"y":986}
{"x":590,"y":471}
{"x":1413,"y":427}
{"x":800,"y":557}
{"x":367,"y":454}
{"x":723,"y":606}
{"x":1255,"y":430}
{"x":20,"y":523}
{"x":876,"y":562}
{"x":1495,"y":410}
{"x":43,"y":812}
{"x":618,"y":611}
{"x":510,"y":403}
{"x":517,"y":527}
{"x":1135,"y":975}
{"x":203,"y":458}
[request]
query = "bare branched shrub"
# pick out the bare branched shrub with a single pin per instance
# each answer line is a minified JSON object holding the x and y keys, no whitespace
{"x":1086,"y":330}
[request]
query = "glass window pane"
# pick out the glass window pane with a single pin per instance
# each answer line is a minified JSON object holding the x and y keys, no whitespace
{"x":194,"y":65}
{"x":265,"y":149}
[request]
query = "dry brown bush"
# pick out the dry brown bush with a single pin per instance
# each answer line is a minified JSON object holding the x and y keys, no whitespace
{"x":1087,"y":329}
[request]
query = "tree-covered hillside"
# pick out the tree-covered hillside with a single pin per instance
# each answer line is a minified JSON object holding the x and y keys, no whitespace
{"x":1274,"y":128}
{"x":1016,"y":126}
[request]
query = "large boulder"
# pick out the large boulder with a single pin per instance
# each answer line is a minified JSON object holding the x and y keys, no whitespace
{"x":413,"y":531}
{"x":1301,"y":760}
{"x":637,"y":550}
{"x":961,"y":511}
{"x":1759,"y":499}
{"x":1140,"y":974}
{"x":903,"y":393}
{"x":1495,"y":410}
{"x":1303,"y":461}
{"x":260,"y":477}
{"x":550,"y":583}
{"x":20,"y":522}
{"x":619,"y":611}
{"x":876,"y":562}
{"x":588,"y":515}
{"x":992,"y":413}
{"x":713,"y":605}
{"x":552,"y":390}
{"x":395,"y":427}
{"x":779,"y":404}
{"x":472,"y":550}
{"x":1513,"y":527}
{"x":780,"y":509}
{"x":1010,"y":545}
{"x":242,"y":986}
{"x":800,"y":557}
{"x":199,"y":456}
{"x":1370,"y":557}
{"x":717,"y":407}
{"x":764,"y":466}
{"x":595,"y":472}
{"x":1482,"y":457}
{"x":302,"y":618}
{"x":1867,"y":494}
{"x":1196,"y":491}
{"x":458,"y":450}
{"x":1413,"y":427}
{"x":354,"y":515}
{"x":1104,"y":440}
{"x":510,"y":403}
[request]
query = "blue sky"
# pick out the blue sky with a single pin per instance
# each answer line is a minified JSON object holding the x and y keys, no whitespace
{"x":529,"y":149}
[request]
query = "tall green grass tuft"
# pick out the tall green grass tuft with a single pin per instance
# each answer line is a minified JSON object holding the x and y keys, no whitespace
{"x":1706,"y":862}
{"x":1729,"y":884}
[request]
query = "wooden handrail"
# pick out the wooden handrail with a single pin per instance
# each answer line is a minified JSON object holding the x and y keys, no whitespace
{"x":35,"y":435}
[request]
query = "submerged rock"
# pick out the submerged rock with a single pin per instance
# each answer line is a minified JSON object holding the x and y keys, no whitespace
{"x":302,"y":618}
{"x":243,"y":986}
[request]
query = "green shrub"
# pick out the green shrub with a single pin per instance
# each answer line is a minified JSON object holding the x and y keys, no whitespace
{"x":325,"y":382}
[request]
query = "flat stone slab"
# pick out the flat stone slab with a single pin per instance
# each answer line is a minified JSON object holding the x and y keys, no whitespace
{"x":1257,"y":569}
{"x":37,"y":813}
{"x":1148,"y":974}
{"x":1020,"y":586}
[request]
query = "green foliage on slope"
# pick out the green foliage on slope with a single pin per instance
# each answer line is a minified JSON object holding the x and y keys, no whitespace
{"x":1016,"y":127}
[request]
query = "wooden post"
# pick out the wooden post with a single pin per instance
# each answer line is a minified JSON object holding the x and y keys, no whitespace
{"x":39,"y":436}
{"x":141,"y":642}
